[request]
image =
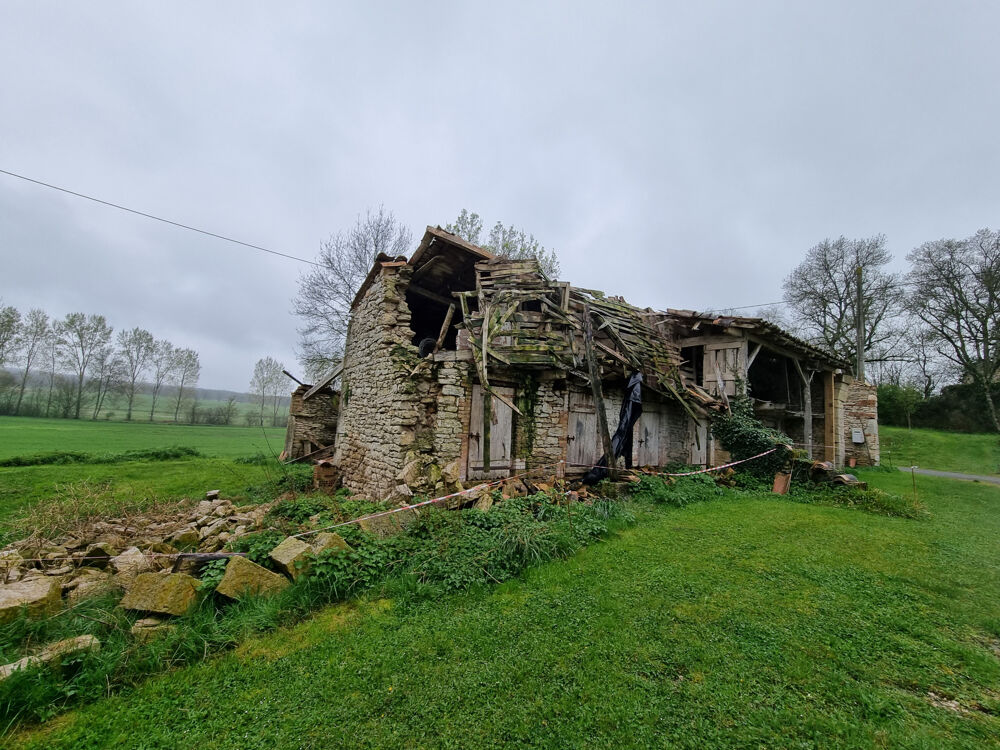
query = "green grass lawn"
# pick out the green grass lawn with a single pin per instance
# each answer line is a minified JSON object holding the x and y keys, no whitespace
{"x":134,"y":484}
{"x":27,"y":435}
{"x":734,"y":623}
{"x":945,"y":451}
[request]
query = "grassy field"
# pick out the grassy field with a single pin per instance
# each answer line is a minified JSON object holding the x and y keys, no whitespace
{"x":945,"y":451}
{"x":733,"y":623}
{"x":131,"y":485}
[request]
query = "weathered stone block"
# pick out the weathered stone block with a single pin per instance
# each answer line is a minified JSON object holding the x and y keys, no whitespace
{"x":150,"y":628}
{"x":41,"y":596}
{"x":171,"y":594}
{"x":129,"y":564}
{"x":329,"y":541}
{"x":244,"y":577}
{"x":292,"y":556}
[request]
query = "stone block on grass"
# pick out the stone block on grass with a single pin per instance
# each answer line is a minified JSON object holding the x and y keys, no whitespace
{"x":244,"y":577}
{"x":39,"y":596}
{"x":329,"y":541}
{"x":171,"y":594}
{"x":292,"y":556}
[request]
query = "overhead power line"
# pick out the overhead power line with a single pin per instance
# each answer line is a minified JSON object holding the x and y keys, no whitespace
{"x":158,"y":218}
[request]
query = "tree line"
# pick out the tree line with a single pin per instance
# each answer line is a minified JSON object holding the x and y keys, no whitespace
{"x":69,"y":367}
{"x":930,"y":334}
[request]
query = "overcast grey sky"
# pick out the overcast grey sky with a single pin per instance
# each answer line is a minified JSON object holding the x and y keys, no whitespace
{"x":680,"y":154}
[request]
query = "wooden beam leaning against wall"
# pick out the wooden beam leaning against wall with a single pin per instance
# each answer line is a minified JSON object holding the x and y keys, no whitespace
{"x":595,"y":386}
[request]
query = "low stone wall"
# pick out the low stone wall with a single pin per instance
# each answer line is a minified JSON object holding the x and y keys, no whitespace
{"x":311,"y":423}
{"x":861,"y":411}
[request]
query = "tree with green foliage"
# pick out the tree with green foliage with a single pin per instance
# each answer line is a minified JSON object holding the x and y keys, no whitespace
{"x":505,"y":241}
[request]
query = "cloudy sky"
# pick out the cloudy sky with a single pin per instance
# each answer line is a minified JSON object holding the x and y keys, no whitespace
{"x":680,"y":154}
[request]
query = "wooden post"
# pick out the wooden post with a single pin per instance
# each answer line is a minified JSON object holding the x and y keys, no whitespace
{"x":487,"y":422}
{"x":807,"y":408}
{"x":444,"y":326}
{"x":860,"y":333}
{"x":595,"y":387}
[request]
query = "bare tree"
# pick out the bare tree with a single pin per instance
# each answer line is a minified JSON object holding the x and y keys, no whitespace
{"x":323,"y":302}
{"x":956,"y":293}
{"x":185,"y":374}
{"x":505,"y":241}
{"x":10,"y":327}
{"x":107,"y":373}
{"x":821,"y":295}
{"x":80,"y":337}
{"x":162,"y":362}
{"x":266,"y":384}
{"x":34,"y":332}
{"x":135,"y":348}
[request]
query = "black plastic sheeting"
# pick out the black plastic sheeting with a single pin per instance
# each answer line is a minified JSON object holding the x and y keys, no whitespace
{"x":621,"y":441}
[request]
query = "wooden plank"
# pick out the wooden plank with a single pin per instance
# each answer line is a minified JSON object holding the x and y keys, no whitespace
{"x":324,"y":382}
{"x":595,"y":385}
{"x":444,"y":326}
{"x":428,"y":294}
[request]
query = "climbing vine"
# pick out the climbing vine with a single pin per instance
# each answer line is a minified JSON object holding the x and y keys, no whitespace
{"x":743,"y":435}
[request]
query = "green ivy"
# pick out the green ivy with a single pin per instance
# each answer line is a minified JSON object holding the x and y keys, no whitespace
{"x":743,"y":435}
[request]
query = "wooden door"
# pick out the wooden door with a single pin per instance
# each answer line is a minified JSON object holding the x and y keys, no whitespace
{"x":581,"y":448}
{"x":646,"y":438}
{"x":500,"y":435}
{"x":698,"y":432}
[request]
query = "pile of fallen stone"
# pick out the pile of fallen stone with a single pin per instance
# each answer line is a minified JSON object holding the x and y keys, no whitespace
{"x":157,"y":581}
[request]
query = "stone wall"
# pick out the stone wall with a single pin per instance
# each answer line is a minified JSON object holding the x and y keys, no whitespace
{"x":311,"y":423}
{"x":453,"y":401}
{"x":861,"y":410}
{"x":380,"y":402}
{"x":548,"y":425}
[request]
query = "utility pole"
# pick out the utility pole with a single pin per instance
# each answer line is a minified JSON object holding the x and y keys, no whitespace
{"x":860,"y":319}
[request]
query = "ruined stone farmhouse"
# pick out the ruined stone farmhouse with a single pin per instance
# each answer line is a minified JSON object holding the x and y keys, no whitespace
{"x":485,"y":368}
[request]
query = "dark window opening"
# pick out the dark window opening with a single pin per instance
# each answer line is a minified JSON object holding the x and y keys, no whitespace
{"x":693,"y":363}
{"x":773,"y":378}
{"x":532,"y":306}
{"x":426,"y":318}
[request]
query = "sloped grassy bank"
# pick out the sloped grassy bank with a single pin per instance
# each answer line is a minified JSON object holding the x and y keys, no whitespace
{"x":439,"y":553}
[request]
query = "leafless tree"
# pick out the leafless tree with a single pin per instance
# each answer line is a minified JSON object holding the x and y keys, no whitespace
{"x":185,"y":374}
{"x":107,"y":373}
{"x":821,"y":296}
{"x":505,"y":241}
{"x":80,"y":337}
{"x":161,"y":362}
{"x":266,"y":384}
{"x":34,"y":331}
{"x":134,"y":348}
{"x":956,"y":293}
{"x":325,"y":294}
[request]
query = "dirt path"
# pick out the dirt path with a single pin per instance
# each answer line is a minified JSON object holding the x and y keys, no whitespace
{"x":953,"y":475}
